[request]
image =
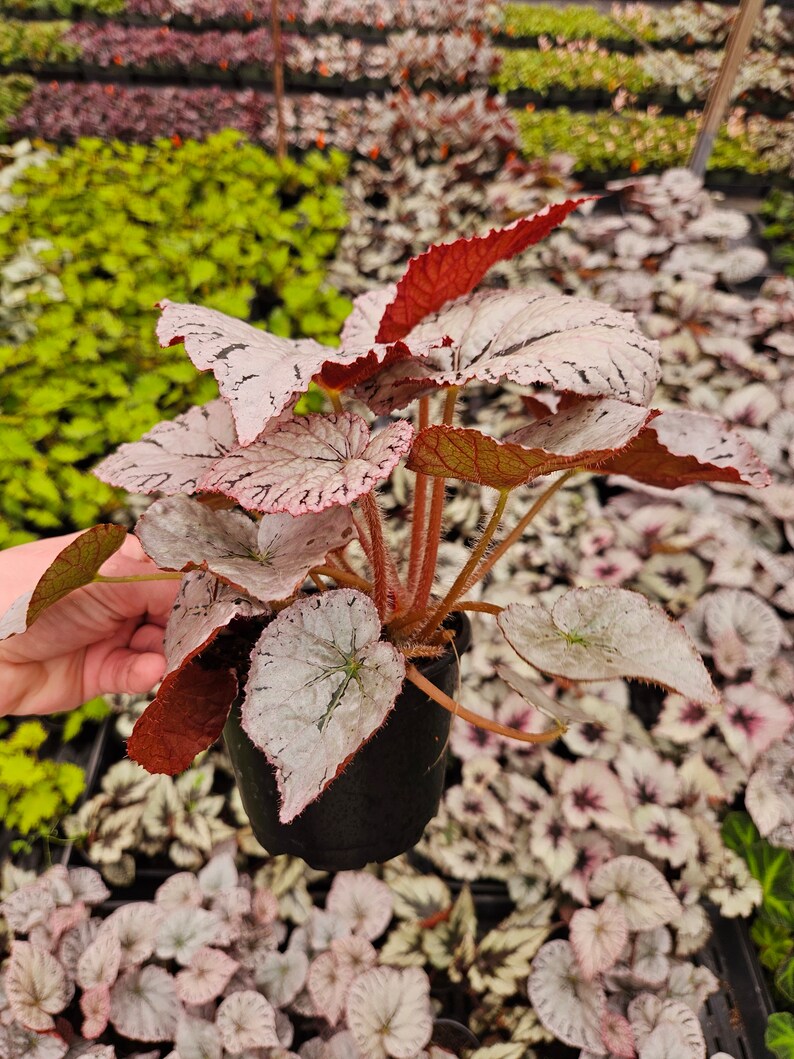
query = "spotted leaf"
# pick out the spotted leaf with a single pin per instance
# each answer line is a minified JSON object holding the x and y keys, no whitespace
{"x":266,"y":560}
{"x":36,"y":986}
{"x":638,"y":889}
{"x":528,"y":337}
{"x":310,"y":463}
{"x":602,"y":633}
{"x":679,"y":447}
{"x":172,"y":456}
{"x":321,"y":683}
{"x":566,"y":1003}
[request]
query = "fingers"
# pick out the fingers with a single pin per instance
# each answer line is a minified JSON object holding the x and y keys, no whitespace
{"x":130,"y":672}
{"x":148,"y":638}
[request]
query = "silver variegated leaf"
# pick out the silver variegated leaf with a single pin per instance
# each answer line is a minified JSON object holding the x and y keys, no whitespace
{"x":321,"y":682}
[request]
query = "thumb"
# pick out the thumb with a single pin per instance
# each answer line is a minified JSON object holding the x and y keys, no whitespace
{"x":125,"y":671}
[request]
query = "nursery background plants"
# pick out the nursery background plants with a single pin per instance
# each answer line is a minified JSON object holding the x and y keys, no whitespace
{"x":592,"y":897}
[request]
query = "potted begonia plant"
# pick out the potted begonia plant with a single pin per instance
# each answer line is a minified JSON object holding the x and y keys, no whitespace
{"x":336,"y":702}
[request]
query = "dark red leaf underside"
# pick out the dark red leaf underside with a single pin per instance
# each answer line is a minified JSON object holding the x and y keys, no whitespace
{"x":658,"y":456}
{"x":451,"y":270}
{"x":187,"y":717}
{"x":344,"y":376}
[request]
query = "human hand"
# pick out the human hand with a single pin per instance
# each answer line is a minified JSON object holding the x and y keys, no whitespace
{"x":101,"y":638}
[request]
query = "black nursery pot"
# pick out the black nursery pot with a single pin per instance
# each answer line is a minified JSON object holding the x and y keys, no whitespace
{"x":379,"y":806}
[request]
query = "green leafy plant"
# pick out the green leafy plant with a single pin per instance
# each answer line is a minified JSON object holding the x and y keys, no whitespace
{"x":574,"y":70}
{"x":780,"y":1035}
{"x":604,"y":142}
{"x":568,"y":23}
{"x":773,"y":928}
{"x":221,"y":220}
{"x":14,"y":92}
{"x":778,"y":211}
{"x":35,"y":792}
{"x":65,"y":8}
{"x":35,"y":42}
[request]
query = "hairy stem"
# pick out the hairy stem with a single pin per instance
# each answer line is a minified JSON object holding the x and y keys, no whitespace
{"x":478,"y":607}
{"x":318,"y":581}
{"x":460,"y":582}
{"x":335,"y":399}
{"x":435,"y":521}
{"x":476,"y":719}
{"x":163,"y":576}
{"x":518,"y":532}
{"x":341,"y":577}
{"x":419,"y":510}
{"x":380,"y":558}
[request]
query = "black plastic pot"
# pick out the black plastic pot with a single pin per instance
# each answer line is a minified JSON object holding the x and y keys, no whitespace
{"x":379,"y":806}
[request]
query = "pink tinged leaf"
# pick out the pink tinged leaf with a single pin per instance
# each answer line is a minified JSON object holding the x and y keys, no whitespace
{"x":72,"y":568}
{"x":678,"y":448}
{"x":638,"y":889}
{"x":87,"y":886}
{"x":219,"y":875}
{"x":36,"y":986}
{"x":653,"y":1023}
{"x":95,"y":1006}
{"x":649,"y":964}
{"x":389,"y":1012}
{"x":753,"y":720}
{"x":567,"y":1004}
{"x":603,"y":633}
{"x":528,"y":337}
{"x":362,"y":902}
{"x":580,"y":437}
{"x":186,"y":717}
{"x":311,"y":463}
{"x":206,"y":976}
{"x":591,"y":793}
{"x":328,"y":985}
{"x":447,"y":271}
{"x":667,"y":833}
{"x":354,"y":953}
{"x":172,"y":456}
{"x":598,"y":936}
{"x":178,"y":890}
{"x":136,"y":926}
{"x":266,"y":560}
{"x":752,"y":621}
{"x":320,"y":684}
{"x":22,"y":1043}
{"x":617,"y":1034}
{"x":281,"y":976}
{"x":28,"y":907}
{"x":258,"y":373}
{"x":197,"y":1039}
{"x":246,"y":1020}
{"x":361,"y":327}
{"x":144,"y":1005}
{"x":99,"y":964}
{"x":184,"y":931}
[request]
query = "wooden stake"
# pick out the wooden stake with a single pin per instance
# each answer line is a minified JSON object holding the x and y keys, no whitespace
{"x":278,"y":79}
{"x":720,"y":95}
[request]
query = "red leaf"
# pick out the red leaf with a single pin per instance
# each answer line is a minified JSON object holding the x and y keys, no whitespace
{"x":679,"y":448}
{"x":448,"y":271}
{"x":187,"y":717}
